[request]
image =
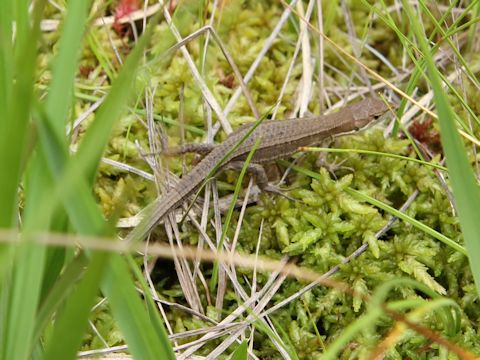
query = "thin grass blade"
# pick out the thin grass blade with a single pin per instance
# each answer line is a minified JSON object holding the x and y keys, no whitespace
{"x":462,"y":178}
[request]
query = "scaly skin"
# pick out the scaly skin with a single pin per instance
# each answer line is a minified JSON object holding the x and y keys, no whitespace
{"x":279,"y":138}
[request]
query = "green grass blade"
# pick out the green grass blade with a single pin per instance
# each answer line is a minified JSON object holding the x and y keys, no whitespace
{"x":131,"y":319}
{"x":86,"y":218}
{"x":8,"y":181}
{"x":464,"y":185}
{"x":65,"y":65}
{"x":98,"y":134}
{"x":453,"y":47}
{"x":152,"y":309}
{"x":419,"y":225}
{"x":14,"y":124}
{"x":375,"y":311}
{"x":27,"y":274}
{"x":141,"y":336}
{"x":58,"y":293}
{"x":72,"y":321}
{"x":58,"y":103}
{"x":240,"y":352}
{"x":25,"y":291}
{"x":143,"y":342}
{"x":23,"y":288}
{"x":100,"y":54}
{"x":377,"y":153}
{"x":83,"y":212}
{"x":408,"y":45}
{"x":6,"y":62}
{"x":360,"y":324}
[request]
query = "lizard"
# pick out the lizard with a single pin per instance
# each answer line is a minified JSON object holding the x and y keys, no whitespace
{"x":278,"y":139}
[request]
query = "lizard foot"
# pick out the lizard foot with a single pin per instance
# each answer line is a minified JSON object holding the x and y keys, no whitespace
{"x":277,"y":191}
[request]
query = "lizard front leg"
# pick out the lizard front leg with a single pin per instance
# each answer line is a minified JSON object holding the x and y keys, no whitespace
{"x":202,"y":149}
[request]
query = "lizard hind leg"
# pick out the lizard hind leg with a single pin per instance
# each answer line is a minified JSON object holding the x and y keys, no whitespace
{"x":261,"y":177}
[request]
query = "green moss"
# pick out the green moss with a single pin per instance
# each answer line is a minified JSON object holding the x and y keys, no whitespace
{"x":324,"y":224}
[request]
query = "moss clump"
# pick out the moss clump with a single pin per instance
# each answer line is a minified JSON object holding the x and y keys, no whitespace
{"x":324,"y":224}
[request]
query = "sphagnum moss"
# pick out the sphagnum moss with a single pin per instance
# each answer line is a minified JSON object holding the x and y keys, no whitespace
{"x":324,"y":225}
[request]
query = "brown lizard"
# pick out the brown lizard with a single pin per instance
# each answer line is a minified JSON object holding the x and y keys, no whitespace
{"x":279,"y":138}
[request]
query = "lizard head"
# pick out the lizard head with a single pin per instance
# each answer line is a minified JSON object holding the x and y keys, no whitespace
{"x":366,"y":112}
